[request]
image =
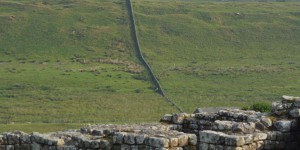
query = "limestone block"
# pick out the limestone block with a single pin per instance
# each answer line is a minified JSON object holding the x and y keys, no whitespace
{"x":232,"y":148}
{"x":283,"y":125}
{"x":290,"y":99}
{"x":13,"y":139}
{"x":246,"y":147}
{"x":125,"y":147}
{"x":259,"y":136}
{"x":67,"y":148}
{"x":234,"y":140}
{"x":10,"y":147}
{"x":192,"y":139}
{"x":25,"y":146}
{"x":139,"y":139}
{"x":173,"y":142}
{"x":183,"y":140}
{"x":129,"y":139}
{"x":95,"y":144}
{"x":266,"y":121}
{"x":248,"y":139}
{"x":118,"y":138}
{"x":157,"y":142}
{"x":208,"y":136}
{"x":223,"y":125}
{"x":278,"y":108}
{"x":105,"y":145}
{"x":167,"y":118}
{"x":203,"y":146}
{"x":178,"y":118}
{"x":25,"y":139}
{"x":37,"y":138}
{"x":36,"y":146}
{"x":295,"y":112}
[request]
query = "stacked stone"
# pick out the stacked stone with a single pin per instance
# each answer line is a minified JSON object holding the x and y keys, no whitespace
{"x":139,"y":140}
{"x":217,"y":130}
{"x":102,"y":137}
{"x":221,"y":141}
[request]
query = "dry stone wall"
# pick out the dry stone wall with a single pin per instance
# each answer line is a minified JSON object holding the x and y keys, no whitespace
{"x":243,"y":130}
{"x":225,"y":129}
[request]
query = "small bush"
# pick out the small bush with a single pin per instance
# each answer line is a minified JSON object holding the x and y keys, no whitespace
{"x":261,"y":106}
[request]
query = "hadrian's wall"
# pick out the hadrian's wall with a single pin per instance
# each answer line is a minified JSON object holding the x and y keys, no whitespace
{"x":226,"y":129}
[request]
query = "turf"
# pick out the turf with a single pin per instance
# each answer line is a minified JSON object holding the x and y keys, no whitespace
{"x":221,"y":54}
{"x":71,"y":62}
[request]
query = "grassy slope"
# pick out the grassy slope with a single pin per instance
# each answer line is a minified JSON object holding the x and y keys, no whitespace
{"x":50,"y":69}
{"x":222,"y":54}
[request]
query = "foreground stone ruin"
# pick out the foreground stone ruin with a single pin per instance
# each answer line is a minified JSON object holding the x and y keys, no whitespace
{"x":225,"y":129}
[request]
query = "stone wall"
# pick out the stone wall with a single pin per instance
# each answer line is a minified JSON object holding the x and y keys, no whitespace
{"x":102,"y":137}
{"x":225,"y":129}
{"x":245,"y":130}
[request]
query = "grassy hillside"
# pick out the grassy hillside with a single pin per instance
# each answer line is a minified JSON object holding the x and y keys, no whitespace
{"x":72,"y":61}
{"x":222,"y":54}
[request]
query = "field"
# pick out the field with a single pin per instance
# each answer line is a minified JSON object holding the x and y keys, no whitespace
{"x":222,"y":54}
{"x":71,"y":62}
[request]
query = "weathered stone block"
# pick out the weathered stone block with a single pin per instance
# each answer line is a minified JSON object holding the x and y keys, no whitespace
{"x":173,"y":142}
{"x":139,"y":139}
{"x":167,"y":118}
{"x":25,"y":146}
{"x":10,"y":147}
{"x":259,"y":136}
{"x":283,"y":125}
{"x":129,"y":139}
{"x":192,"y":139}
{"x":105,"y":145}
{"x":232,"y":148}
{"x":295,"y":112}
{"x":183,"y":140}
{"x":266,"y":121}
{"x":157,"y":142}
{"x":234,"y":140}
{"x":208,"y":136}
{"x":118,"y":138}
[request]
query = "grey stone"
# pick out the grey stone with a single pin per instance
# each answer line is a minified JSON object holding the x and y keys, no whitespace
{"x":10,"y":147}
{"x":25,"y":147}
{"x":208,"y":136}
{"x":295,"y":112}
{"x":198,"y":110}
{"x":234,"y":140}
{"x":157,"y":142}
{"x":105,"y":145}
{"x":118,"y":138}
{"x":25,"y":139}
{"x":140,"y":139}
{"x":192,"y":139}
{"x":129,"y":139}
{"x":36,"y":146}
{"x":283,"y":125}
{"x":167,"y":118}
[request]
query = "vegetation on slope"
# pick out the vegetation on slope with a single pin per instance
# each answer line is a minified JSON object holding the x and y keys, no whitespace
{"x":72,"y":61}
{"x":221,"y":54}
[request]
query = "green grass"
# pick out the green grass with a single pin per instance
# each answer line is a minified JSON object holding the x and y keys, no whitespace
{"x":222,"y":54}
{"x":71,"y":62}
